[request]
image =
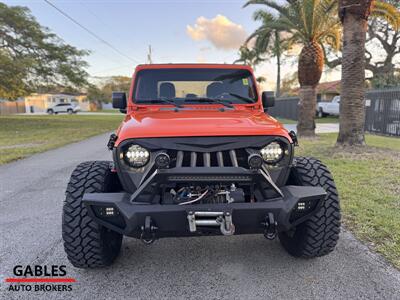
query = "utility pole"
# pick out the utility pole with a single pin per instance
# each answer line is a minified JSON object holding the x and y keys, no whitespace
{"x":149,"y":59}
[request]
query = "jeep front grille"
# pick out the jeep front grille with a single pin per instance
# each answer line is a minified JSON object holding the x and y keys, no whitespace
{"x":230,"y":158}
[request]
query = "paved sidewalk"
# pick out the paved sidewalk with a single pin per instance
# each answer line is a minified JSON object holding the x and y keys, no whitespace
{"x":321,"y":128}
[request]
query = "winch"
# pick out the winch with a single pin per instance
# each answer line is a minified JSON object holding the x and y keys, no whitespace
{"x":201,"y":219}
{"x":207,"y":194}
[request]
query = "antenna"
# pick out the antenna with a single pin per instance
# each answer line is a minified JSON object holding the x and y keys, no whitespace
{"x":149,"y":58}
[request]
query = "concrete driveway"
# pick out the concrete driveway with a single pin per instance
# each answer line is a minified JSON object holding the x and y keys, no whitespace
{"x":321,"y":127}
{"x":239,"y":267}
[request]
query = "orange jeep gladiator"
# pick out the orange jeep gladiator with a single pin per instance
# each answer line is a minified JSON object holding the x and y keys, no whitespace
{"x":196,"y":155}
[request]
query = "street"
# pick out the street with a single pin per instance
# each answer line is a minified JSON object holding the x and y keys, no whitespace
{"x":238,"y":267}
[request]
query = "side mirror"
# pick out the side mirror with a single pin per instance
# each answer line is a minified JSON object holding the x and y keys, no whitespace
{"x":268,"y":99}
{"x":119,"y":101}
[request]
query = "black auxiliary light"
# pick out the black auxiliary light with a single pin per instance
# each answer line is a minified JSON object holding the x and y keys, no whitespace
{"x":162,"y":160}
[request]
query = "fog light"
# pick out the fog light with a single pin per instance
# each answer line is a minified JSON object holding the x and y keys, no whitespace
{"x":301,"y":206}
{"x":162,"y":160}
{"x":110,"y":211}
{"x":255,"y":161}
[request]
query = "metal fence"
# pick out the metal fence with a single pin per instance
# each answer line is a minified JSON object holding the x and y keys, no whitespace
{"x":285,"y":108}
{"x":382,"y":110}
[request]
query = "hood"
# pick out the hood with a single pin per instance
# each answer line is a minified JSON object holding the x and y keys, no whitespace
{"x":185,"y":123}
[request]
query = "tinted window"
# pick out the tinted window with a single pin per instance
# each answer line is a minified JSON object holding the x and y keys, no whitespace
{"x":190,"y":85}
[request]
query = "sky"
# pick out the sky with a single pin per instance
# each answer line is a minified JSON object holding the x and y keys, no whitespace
{"x":178,"y":31}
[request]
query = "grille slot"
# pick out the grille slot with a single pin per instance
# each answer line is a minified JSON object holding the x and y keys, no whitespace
{"x":230,"y":158}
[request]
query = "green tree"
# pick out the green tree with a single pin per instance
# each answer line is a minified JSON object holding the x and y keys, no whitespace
{"x":289,"y":83}
{"x":116,"y":83}
{"x":102,"y":93}
{"x":248,"y":56}
{"x":269,"y":42}
{"x":31,"y":57}
{"x":382,"y":47}
{"x":383,"y":38}
{"x":355,"y":25}
{"x":309,"y":24}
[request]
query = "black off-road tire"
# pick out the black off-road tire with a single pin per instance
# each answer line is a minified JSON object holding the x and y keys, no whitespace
{"x":318,"y":235}
{"x":88,"y":244}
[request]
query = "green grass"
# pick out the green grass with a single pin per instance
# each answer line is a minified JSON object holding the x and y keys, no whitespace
{"x":109,"y":111}
{"x":329,"y":119}
{"x":22,"y":136}
{"x":368,"y":180}
{"x":317,"y":120}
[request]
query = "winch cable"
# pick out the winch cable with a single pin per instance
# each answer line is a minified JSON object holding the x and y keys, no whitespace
{"x":195,"y":200}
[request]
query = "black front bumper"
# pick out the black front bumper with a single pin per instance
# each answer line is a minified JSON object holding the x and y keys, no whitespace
{"x":172,"y":220}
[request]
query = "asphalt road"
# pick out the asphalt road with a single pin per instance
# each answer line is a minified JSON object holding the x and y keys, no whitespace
{"x":239,"y":267}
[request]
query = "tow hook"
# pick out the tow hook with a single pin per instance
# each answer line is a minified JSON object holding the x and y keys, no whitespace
{"x":148,"y":235}
{"x":270,"y":225}
{"x":225,"y":224}
{"x":223,"y":220}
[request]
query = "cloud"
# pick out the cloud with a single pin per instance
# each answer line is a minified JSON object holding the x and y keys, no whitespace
{"x":220,"y":31}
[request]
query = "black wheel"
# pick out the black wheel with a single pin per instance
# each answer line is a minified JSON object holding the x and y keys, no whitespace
{"x":87,"y":244}
{"x":318,"y":235}
{"x":50,"y":111}
{"x":69,"y":111}
{"x":320,"y":113}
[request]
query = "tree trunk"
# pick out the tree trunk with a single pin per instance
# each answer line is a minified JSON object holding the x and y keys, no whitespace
{"x":278,"y":77}
{"x":311,"y":63}
{"x":352,"y":99}
{"x":307,"y":108}
{"x":95,"y":105}
{"x":278,"y":64}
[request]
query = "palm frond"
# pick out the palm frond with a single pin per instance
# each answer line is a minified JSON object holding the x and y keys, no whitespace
{"x":262,"y":15}
{"x":388,"y":12}
{"x":305,"y":20}
{"x":281,"y":9}
{"x":333,"y":38}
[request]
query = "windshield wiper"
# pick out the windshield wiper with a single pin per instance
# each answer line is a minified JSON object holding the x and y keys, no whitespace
{"x":212,"y":100}
{"x":166,"y":100}
{"x":170,"y":101}
{"x":245,"y":99}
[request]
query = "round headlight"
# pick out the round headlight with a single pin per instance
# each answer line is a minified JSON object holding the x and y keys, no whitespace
{"x":272,"y":153}
{"x":136,"y":156}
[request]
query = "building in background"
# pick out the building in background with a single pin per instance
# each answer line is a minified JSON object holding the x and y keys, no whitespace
{"x":326,"y":91}
{"x":41,"y":102}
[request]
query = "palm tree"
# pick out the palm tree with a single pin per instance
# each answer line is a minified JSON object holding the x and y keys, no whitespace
{"x":355,"y":24}
{"x":269,"y":41}
{"x":250,"y":57}
{"x":309,"y":23}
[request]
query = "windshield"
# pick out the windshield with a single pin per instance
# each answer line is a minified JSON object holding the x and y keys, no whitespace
{"x":185,"y":86}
